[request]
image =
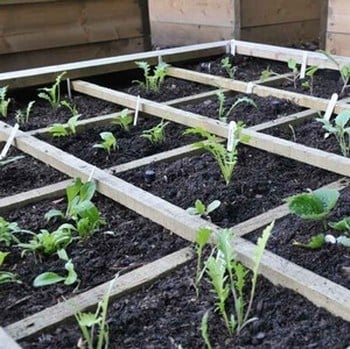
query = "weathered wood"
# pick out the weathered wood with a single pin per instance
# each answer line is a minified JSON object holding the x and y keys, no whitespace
{"x":6,"y":342}
{"x":124,"y":284}
{"x":259,"y":90}
{"x":295,"y":151}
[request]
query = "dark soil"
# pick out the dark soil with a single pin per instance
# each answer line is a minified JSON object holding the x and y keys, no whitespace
{"x":309,"y":133}
{"x":26,"y":174}
{"x":331,"y":261}
{"x":43,"y":115}
{"x":168,"y":314}
{"x":131,"y":145}
{"x":260,"y":182}
{"x":126,"y":242}
{"x":269,"y":108}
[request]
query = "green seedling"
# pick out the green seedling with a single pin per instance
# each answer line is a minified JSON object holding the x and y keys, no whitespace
{"x":202,"y":238}
{"x":340,"y":128}
{"x":265,"y":74}
{"x":224,"y":113}
{"x":71,"y":107}
{"x":314,"y":205}
{"x":226,"y":160}
{"x":228,"y":67}
{"x":64,"y":130}
{"x":52,"y":94}
{"x":342,"y":225}
{"x":156,"y":135}
{"x":109,"y":142}
{"x":4,"y":102}
{"x":228,"y":277}
{"x":6,"y":276}
{"x":10,"y":160}
{"x":94,"y":326}
{"x":49,"y":243}
{"x":8,"y":231}
{"x":315,"y":242}
{"x":81,"y":210}
{"x":51,"y":278}
{"x":310,"y":72}
{"x":124,"y":120}
{"x":200,"y":209}
{"x":204,"y":330}
{"x":344,"y":71}
{"x":22,"y":117}
{"x":153,"y":82}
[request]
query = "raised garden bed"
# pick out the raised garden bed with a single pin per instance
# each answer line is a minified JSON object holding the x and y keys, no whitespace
{"x":264,"y":176}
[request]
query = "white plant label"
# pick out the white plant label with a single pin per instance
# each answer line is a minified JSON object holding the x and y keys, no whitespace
{"x":231,"y":135}
{"x":233,"y":47}
{"x":137,"y":109}
{"x":250,"y":87}
{"x":9,"y":142}
{"x":92,"y":174}
{"x":330,"y":107}
{"x":69,"y":90}
{"x":160,"y":59}
{"x":303,"y":66}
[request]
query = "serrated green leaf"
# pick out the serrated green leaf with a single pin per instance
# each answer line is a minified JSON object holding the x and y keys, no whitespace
{"x":343,"y":225}
{"x":200,"y":207}
{"x":203,"y":235}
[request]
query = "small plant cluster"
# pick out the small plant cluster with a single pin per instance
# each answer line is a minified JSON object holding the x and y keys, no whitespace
{"x":228,"y":67}
{"x":226,"y":159}
{"x":294,"y":67}
{"x":152,"y":81}
{"x":228,"y":278}
{"x":317,"y":206}
{"x":224,"y":113}
{"x":340,"y":128}
{"x":82,"y":219}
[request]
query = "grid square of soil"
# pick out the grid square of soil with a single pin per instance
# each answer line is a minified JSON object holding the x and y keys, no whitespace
{"x":168,"y":314}
{"x":307,"y":132}
{"x":42,"y":115}
{"x":330,"y":261}
{"x":259,"y":183}
{"x":325,"y":82}
{"x":131,"y":145}
{"x":126,"y":242}
{"x":265,"y":109}
{"x":26,"y":174}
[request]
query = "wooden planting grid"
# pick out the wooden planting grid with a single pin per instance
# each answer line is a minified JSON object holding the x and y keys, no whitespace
{"x":319,"y":290}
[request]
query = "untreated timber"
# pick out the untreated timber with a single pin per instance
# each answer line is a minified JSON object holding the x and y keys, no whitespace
{"x":124,"y":284}
{"x":6,"y":342}
{"x":328,"y":161}
{"x":319,"y":290}
{"x":259,"y":90}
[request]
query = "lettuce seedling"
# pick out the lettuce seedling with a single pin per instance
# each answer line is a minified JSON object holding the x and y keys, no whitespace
{"x":109,"y":142}
{"x":229,"y":277}
{"x":340,"y":128}
{"x":52,"y":94}
{"x":4,"y":102}
{"x":315,"y":242}
{"x":200,"y":209}
{"x":6,"y":276}
{"x":228,"y":67}
{"x":8,"y":231}
{"x":156,"y":135}
{"x":124,"y":120}
{"x":224,"y":113}
{"x":96,"y":323}
{"x":80,"y":208}
{"x":153,"y":82}
{"x":49,"y":243}
{"x":226,"y":160}
{"x":314,"y":205}
{"x":22,"y":117}
{"x":64,"y":130}
{"x":51,"y":278}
